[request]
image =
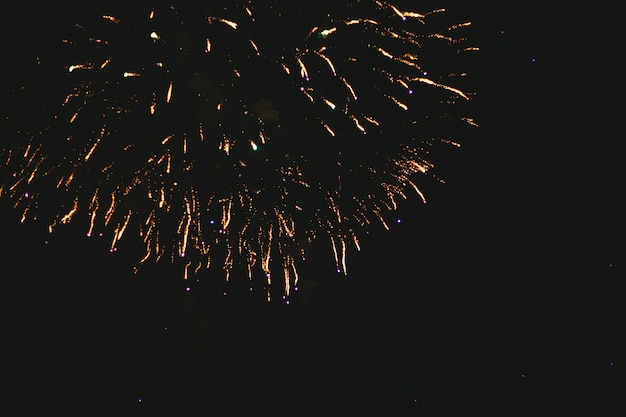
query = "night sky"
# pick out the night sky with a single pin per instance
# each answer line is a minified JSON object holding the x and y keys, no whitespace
{"x":501,"y":296}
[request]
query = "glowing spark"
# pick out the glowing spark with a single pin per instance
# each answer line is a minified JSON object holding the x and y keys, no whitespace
{"x":111,"y":18}
{"x":68,"y":216}
{"x":93,"y":148}
{"x":446,"y":87}
{"x":385,"y":53}
{"x":399,"y":103}
{"x":229,"y":23}
{"x":258,"y":154}
{"x":169,"y":93}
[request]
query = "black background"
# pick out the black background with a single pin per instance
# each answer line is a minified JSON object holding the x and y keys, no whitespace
{"x":499,"y":297}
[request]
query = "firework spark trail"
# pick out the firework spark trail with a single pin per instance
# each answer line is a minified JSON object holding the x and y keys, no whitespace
{"x":200,"y":131}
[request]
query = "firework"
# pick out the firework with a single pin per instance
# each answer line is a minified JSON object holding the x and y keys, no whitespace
{"x":234,"y":135}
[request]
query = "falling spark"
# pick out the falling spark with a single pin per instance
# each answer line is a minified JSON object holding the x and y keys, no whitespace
{"x":208,"y":135}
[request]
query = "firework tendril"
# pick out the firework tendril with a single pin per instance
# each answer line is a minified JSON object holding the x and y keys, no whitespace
{"x":241,"y":132}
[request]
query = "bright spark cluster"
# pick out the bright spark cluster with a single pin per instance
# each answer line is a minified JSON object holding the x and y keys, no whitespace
{"x":241,"y":134}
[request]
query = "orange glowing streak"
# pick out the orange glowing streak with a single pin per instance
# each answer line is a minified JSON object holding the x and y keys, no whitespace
{"x":169,"y":93}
